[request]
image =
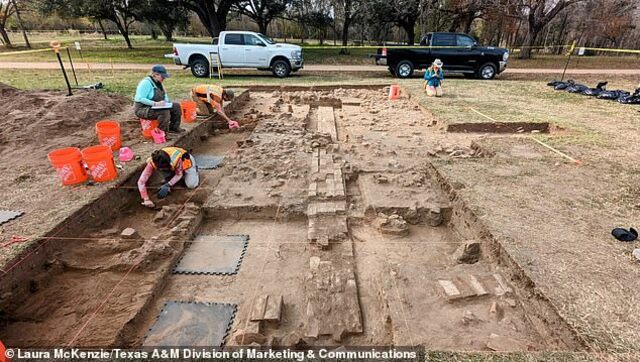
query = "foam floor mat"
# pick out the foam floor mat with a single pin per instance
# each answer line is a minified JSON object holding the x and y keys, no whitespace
{"x":208,"y":162}
{"x":8,"y":215}
{"x":191,"y":324}
{"x":213,"y":254}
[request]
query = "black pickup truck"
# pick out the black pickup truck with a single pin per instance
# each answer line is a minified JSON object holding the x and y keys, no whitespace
{"x":460,"y":53}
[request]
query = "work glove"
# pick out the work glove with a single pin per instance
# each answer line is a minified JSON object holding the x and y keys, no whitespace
{"x":234,"y":125}
{"x":164,"y":191}
{"x":149,"y":204}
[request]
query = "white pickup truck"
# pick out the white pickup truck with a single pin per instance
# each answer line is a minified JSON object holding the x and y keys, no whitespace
{"x":239,"y":49}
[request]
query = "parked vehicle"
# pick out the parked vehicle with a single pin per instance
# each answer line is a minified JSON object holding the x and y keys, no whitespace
{"x":460,"y":53}
{"x":239,"y":49}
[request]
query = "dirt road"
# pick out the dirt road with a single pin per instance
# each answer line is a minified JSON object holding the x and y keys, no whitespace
{"x":310,"y":68}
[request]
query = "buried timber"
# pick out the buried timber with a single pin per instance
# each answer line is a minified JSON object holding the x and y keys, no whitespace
{"x":325,"y":225}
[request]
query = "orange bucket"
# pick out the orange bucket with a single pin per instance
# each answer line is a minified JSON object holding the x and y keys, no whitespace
{"x":99,"y":159}
{"x":109,"y":134}
{"x":3,"y":353}
{"x":148,"y":125}
{"x":394,"y":92}
{"x":68,"y":165}
{"x":189,"y":111}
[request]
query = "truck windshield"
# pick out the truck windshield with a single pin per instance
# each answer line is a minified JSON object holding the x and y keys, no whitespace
{"x":266,"y":39}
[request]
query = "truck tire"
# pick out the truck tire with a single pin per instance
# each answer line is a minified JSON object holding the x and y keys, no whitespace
{"x":281,"y":68}
{"x":404,"y":69}
{"x":487,"y":71}
{"x":200,"y":68}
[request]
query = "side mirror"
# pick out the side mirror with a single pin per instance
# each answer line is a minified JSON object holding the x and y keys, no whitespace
{"x":475,"y":44}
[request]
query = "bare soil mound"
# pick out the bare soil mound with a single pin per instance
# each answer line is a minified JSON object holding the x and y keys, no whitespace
{"x":33,"y":123}
{"x":51,"y":119}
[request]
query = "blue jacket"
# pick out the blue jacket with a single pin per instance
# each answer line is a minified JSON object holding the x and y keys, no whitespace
{"x":433,"y":79}
{"x":145,"y":91}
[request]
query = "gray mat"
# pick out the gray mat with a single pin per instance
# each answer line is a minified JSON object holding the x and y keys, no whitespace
{"x":8,"y":215}
{"x":208,"y":162}
{"x":213,"y":254}
{"x":191,"y":324}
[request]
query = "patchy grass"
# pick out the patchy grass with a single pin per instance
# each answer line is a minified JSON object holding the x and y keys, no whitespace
{"x":434,"y":356}
{"x":148,"y":51}
{"x":576,"y":62}
{"x":469,"y":101}
{"x":124,"y":82}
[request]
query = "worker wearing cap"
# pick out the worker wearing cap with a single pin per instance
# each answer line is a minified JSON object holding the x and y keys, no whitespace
{"x":210,"y":98}
{"x":175,"y":164}
{"x":433,"y":78}
{"x":151,"y":101}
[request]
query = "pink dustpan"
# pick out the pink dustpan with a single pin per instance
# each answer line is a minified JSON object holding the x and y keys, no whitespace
{"x":158,"y":136}
{"x":125,"y":154}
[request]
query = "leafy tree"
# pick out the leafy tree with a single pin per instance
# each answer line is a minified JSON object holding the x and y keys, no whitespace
{"x":350,"y":10}
{"x":7,"y":9}
{"x":120,"y":12}
{"x":212,"y":13}
{"x":403,"y":13}
{"x":166,"y":14}
{"x":262,"y":12}
{"x":538,"y":14}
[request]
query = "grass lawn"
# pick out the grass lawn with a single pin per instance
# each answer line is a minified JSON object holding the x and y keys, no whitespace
{"x":124,"y":82}
{"x":149,"y":51}
{"x":528,"y":101}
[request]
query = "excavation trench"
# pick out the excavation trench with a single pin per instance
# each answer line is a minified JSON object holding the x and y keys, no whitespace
{"x":500,"y":127}
{"x":348,"y":224}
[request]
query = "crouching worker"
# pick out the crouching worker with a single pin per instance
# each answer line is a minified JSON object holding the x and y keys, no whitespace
{"x":433,"y":78}
{"x":210,"y":99}
{"x":175,"y":164}
{"x":152,"y":101}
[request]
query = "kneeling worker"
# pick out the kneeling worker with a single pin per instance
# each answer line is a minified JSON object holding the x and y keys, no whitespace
{"x":210,"y":98}
{"x":433,"y":79}
{"x":174,"y":164}
{"x":152,"y":101}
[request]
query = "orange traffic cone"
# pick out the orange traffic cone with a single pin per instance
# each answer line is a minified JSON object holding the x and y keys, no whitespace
{"x":394,"y":92}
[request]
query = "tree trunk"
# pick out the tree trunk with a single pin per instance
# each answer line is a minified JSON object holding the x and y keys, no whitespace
{"x":411,"y":33}
{"x":124,"y":32}
{"x":262,"y":26}
{"x":529,"y":41}
{"x":5,"y":38}
{"x":468,"y":23}
{"x":208,"y":17}
{"x":154,"y":35}
{"x":104,"y":32}
{"x":167,"y":31}
{"x":345,"y":31}
{"x":24,"y":31}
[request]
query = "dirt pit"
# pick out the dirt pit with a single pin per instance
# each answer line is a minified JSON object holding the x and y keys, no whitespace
{"x":33,"y":123}
{"x":348,"y":227}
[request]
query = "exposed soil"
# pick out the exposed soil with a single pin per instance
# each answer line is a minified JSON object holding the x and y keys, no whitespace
{"x":96,"y":282}
{"x":262,"y":191}
{"x":384,"y":186}
{"x":33,"y":123}
{"x":500,"y":127}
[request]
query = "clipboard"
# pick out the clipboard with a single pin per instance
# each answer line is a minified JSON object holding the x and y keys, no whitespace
{"x":165,"y":106}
